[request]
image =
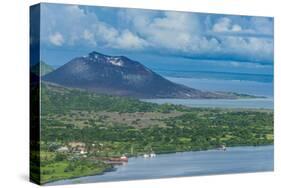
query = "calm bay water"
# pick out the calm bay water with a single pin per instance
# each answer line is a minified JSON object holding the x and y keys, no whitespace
{"x":239,"y":86}
{"x":245,"y":87}
{"x":262,"y":103}
{"x":234,"y":160}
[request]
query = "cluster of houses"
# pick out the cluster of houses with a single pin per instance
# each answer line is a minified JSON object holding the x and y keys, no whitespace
{"x":81,"y":149}
{"x":73,"y":147}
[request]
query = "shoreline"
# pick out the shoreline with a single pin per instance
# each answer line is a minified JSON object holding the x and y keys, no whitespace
{"x":196,"y":130}
{"x":252,"y":104}
{"x":113,"y":168}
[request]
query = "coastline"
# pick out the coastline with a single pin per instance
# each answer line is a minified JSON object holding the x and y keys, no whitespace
{"x":163,"y":147}
{"x":110,"y":169}
{"x":222,"y":104}
{"x":113,"y":167}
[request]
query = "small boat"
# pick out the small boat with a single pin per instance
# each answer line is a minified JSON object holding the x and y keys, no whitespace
{"x":145,"y":155}
{"x":222,"y":147}
{"x":124,"y":158}
{"x":152,"y":155}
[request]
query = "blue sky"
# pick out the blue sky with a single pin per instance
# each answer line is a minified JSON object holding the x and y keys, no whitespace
{"x":165,"y":39}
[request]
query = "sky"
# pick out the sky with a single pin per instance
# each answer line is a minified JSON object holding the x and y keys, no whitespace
{"x":159,"y":39}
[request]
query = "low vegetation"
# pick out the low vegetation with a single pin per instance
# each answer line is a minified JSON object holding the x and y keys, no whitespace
{"x":110,"y":126}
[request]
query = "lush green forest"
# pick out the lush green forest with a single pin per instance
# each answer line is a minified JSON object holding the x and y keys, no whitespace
{"x":110,"y":126}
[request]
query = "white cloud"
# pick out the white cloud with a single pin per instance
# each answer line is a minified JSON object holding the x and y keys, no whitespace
{"x":236,"y":28}
{"x":127,"y":40}
{"x":225,"y":24}
{"x":89,"y":37}
{"x":251,"y":27}
{"x":222,"y":25}
{"x":78,"y":27}
{"x":175,"y":32}
{"x":105,"y":33}
{"x":251,"y":65}
{"x":69,"y":20}
{"x":184,"y":33}
{"x":262,"y":25}
{"x":253,"y":48}
{"x":87,"y":34}
{"x":56,"y":39}
{"x":172,"y":30}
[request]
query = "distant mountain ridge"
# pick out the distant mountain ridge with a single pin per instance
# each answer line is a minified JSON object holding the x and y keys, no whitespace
{"x":119,"y":75}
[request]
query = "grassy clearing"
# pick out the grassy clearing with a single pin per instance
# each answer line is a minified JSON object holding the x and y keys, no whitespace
{"x":82,"y":119}
{"x":71,"y":169}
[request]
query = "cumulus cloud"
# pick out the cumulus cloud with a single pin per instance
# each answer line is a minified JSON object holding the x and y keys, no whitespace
{"x":254,"y":48}
{"x":225,"y":25}
{"x":190,"y":34}
{"x":128,"y":40}
{"x":244,"y":26}
{"x":87,"y":34}
{"x":56,"y":39}
{"x":184,"y":33}
{"x":262,"y":25}
{"x":78,"y":27}
{"x":172,"y":30}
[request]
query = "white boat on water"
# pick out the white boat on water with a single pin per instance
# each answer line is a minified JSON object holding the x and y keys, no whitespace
{"x":145,"y":156}
{"x":222,"y":147}
{"x":151,"y":155}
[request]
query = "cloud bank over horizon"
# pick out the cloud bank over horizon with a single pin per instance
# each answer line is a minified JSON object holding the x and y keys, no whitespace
{"x":180,"y":34}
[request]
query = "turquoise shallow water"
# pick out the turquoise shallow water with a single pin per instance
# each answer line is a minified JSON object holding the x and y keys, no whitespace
{"x":234,"y":160}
